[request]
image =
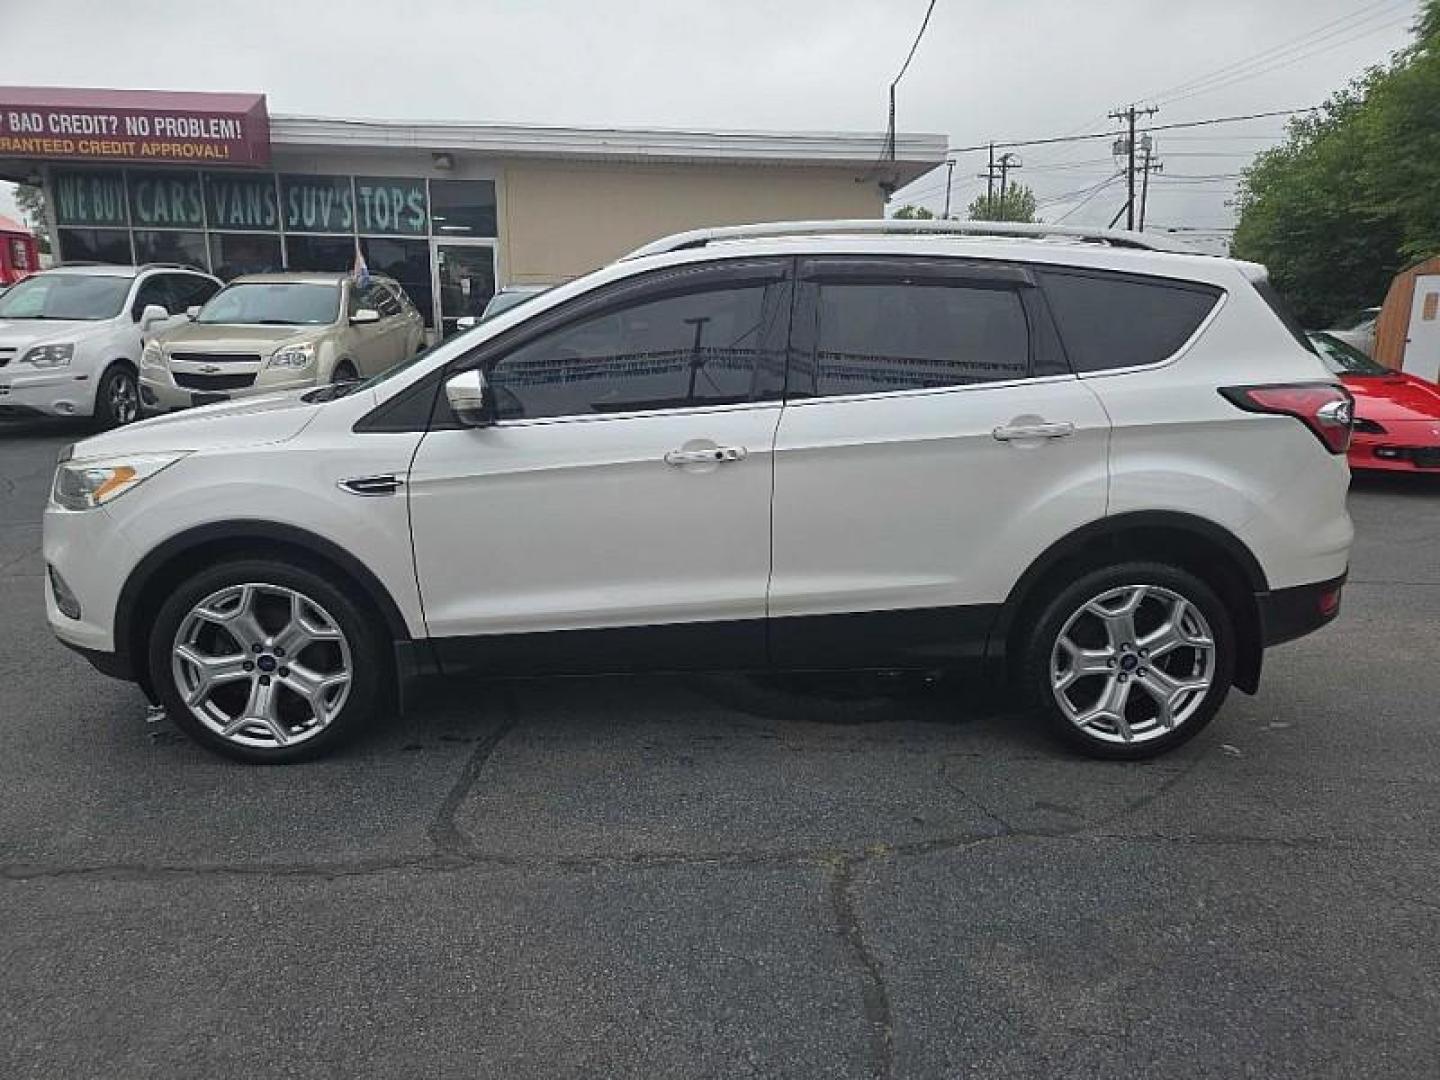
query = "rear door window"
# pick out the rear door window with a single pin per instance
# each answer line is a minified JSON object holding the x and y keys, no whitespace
{"x":1110,"y":321}
{"x":880,"y":327}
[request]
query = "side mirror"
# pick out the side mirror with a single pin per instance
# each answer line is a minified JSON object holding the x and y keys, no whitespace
{"x":192,"y":311}
{"x":467,"y":322}
{"x":469,"y":398}
{"x":152,"y":314}
{"x":363,"y":316}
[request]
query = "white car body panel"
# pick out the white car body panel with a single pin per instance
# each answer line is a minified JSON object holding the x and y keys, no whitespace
{"x":908,"y":500}
{"x":581,"y":523}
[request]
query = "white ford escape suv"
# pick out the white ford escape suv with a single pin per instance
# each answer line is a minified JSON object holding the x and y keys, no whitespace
{"x":71,"y":337}
{"x":1113,"y":474}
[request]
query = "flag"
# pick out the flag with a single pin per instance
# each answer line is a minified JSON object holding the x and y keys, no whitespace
{"x":360,"y":272}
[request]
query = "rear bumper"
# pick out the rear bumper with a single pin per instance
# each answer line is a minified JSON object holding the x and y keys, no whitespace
{"x":1287,"y":614}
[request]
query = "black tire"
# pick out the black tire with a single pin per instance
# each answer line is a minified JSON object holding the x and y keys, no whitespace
{"x":344,"y":372}
{"x":1199,"y":709}
{"x":370,"y":667}
{"x":117,"y":397}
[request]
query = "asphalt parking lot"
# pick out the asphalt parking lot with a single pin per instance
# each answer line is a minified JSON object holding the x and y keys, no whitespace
{"x":724,"y":877}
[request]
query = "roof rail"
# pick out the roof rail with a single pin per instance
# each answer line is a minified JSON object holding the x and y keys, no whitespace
{"x":170,"y":266}
{"x":697,"y":238}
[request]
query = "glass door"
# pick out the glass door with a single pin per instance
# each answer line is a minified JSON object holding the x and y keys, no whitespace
{"x":464,"y":280}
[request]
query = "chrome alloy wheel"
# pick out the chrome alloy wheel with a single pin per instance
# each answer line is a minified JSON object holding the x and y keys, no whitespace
{"x":1132,"y":664}
{"x":262,"y":665}
{"x":124,"y":399}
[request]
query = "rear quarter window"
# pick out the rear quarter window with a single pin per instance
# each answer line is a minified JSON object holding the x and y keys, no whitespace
{"x":1110,"y":321}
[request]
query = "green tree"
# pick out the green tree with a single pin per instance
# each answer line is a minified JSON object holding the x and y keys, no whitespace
{"x":30,"y":198}
{"x":1017,"y":204}
{"x":908,"y":212}
{"x":1349,"y":198}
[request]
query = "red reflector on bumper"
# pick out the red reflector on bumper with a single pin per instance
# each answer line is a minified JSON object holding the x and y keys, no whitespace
{"x":1330,"y":602}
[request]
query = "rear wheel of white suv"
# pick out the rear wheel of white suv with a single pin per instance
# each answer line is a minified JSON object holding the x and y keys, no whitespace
{"x":1131,"y":660}
{"x":265,"y":661}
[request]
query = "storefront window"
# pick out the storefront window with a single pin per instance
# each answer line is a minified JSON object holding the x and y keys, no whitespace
{"x":239,"y":201}
{"x":165,"y":198}
{"x":385,"y":204}
{"x":320,"y":252}
{"x":463,"y":207}
{"x":232,"y":254}
{"x":167,"y":246}
{"x":317,"y":204}
{"x":95,"y":245}
{"x":88,"y":197}
{"x":408,"y":262}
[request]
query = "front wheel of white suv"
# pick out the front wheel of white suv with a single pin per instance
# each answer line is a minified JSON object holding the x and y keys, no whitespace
{"x":117,"y":397}
{"x":266,"y":661}
{"x":1131,"y":660}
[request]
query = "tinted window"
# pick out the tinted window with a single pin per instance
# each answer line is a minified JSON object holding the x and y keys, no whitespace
{"x":320,"y":252}
{"x":878,"y":337}
{"x":95,"y":245}
{"x":186,"y":248}
{"x":153,"y":290}
{"x":386,"y":302}
{"x":463,"y":207}
{"x":233,"y":254}
{"x":700,"y":348}
{"x":187,"y":290}
{"x":1111,"y":321}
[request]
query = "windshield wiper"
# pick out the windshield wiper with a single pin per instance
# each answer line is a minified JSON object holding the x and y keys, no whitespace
{"x":278,"y":322}
{"x":331,"y":391}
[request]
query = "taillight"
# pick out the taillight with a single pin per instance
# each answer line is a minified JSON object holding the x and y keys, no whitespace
{"x":1326,"y":409}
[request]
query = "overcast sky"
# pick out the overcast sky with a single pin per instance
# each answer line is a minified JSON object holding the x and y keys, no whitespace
{"x":985,"y":70}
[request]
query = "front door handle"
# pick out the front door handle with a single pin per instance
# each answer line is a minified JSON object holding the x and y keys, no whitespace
{"x":1016,"y":432}
{"x":707,"y":456}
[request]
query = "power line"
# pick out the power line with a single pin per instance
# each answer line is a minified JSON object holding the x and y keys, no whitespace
{"x":1149,"y":127}
{"x":1279,"y":63}
{"x":924,"y":23}
{"x":1270,"y":53}
{"x":1093,"y":192}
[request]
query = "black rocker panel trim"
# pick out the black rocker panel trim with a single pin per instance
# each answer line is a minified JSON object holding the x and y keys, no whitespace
{"x":924,"y":639}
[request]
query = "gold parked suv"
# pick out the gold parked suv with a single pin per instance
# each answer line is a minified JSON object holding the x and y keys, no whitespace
{"x":264,"y":333}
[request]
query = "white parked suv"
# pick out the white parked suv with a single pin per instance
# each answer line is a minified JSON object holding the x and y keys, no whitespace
{"x":71,"y":337}
{"x":1110,"y":473}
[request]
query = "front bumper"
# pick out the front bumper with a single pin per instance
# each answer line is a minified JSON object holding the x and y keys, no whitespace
{"x":1405,"y":446}
{"x":1287,"y":614}
{"x":60,"y":392}
{"x":159,"y":392}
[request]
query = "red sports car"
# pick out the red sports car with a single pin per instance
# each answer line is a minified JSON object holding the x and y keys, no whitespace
{"x":1397,"y":416}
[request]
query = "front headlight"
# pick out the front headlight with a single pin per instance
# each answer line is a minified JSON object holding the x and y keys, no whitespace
{"x":49,"y":355}
{"x":153,"y":356}
{"x":84,"y":485}
{"x":293,"y":356}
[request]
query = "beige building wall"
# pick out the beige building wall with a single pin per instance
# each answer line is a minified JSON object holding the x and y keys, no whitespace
{"x":560,"y":221}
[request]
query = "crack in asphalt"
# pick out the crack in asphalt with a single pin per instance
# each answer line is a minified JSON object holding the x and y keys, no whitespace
{"x":449,"y":842}
{"x":875,"y":998}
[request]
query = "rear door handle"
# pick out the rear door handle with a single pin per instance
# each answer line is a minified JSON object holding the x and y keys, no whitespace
{"x":707,"y":456}
{"x":1033,"y":431}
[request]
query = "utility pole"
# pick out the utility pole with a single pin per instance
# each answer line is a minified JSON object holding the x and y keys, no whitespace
{"x":1148,"y":166}
{"x":1129,"y":116}
{"x":1005,"y":164}
{"x":990,"y":176}
{"x":949,"y":183}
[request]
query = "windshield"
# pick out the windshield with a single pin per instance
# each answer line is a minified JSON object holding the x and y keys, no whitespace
{"x":66,"y":296}
{"x":1345,"y":359}
{"x":273,"y":303}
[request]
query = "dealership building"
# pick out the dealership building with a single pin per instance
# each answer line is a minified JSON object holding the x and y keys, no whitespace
{"x":452,"y":210}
